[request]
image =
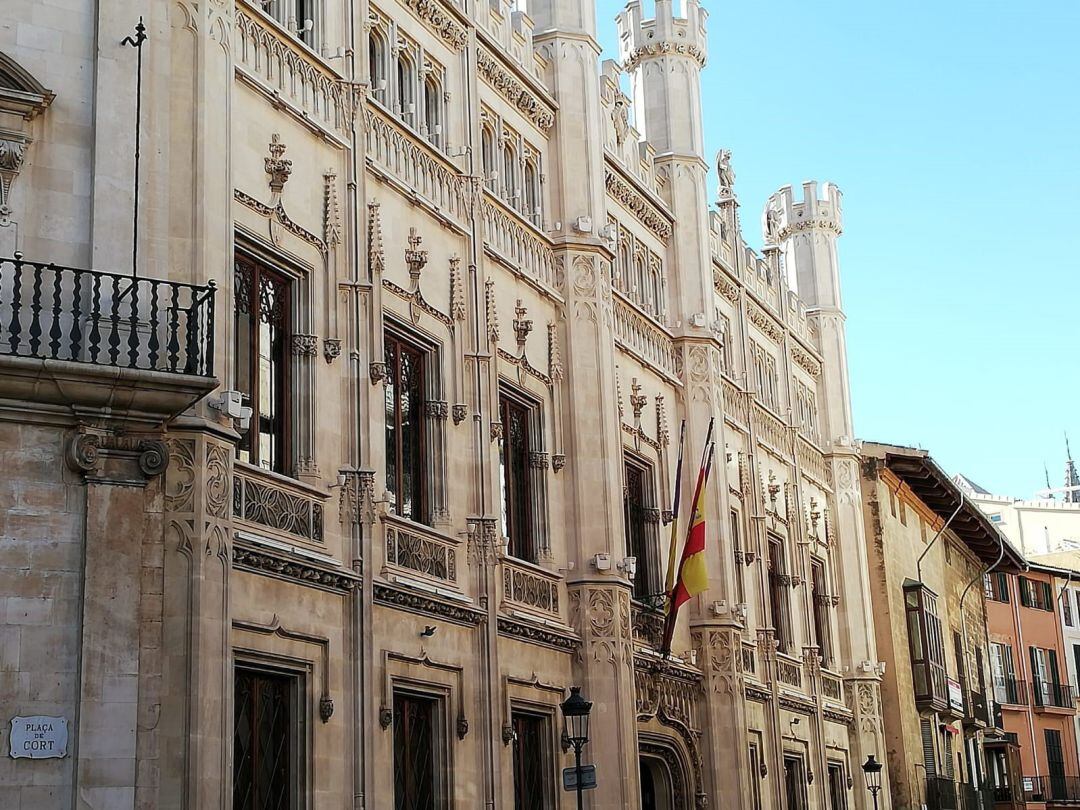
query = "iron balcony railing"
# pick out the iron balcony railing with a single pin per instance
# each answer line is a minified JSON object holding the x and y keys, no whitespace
{"x":1011,"y":691}
{"x":1047,"y":693}
{"x":1052,"y":789}
{"x":943,"y":793}
{"x":49,"y":312}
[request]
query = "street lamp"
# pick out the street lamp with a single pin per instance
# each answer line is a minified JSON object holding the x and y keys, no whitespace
{"x":575,"y":711}
{"x":872,"y":771}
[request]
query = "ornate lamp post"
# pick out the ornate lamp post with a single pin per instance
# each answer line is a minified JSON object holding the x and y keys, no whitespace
{"x":575,"y":711}
{"x":872,"y":771}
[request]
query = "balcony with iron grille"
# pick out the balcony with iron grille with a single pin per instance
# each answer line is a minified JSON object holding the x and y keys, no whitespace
{"x":138,"y":349}
{"x":1050,"y":696}
{"x":943,"y":793}
{"x":1011,"y":692}
{"x":1055,"y":791}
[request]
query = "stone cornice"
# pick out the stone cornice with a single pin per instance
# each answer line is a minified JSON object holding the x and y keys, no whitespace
{"x":514,"y":87}
{"x":302,"y":572}
{"x":427,"y":604}
{"x":647,"y":213}
{"x":441,"y":20}
{"x":765,"y":322}
{"x":809,"y":225}
{"x":534,"y":634}
{"x":664,"y":48}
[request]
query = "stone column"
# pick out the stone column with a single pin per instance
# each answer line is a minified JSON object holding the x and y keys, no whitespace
{"x":196,"y":725}
{"x":119,"y":650}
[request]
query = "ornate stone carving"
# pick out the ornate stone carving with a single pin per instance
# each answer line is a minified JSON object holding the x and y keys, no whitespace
{"x":805,"y":360}
{"x":376,"y":255}
{"x":13,"y":148}
{"x":536,"y":634}
{"x":85,"y":451}
{"x":725,"y":175}
{"x":427,"y":604}
{"x":459,"y":413}
{"x":415,"y":258}
{"x":279,"y":219}
{"x":377,"y":372}
{"x":558,"y":461}
{"x":432,"y":14}
{"x":326,"y":708}
{"x":555,"y":366}
{"x":490,"y":311}
{"x":513,"y":90}
{"x":277,"y":165}
{"x":529,"y":588}
{"x":218,"y":465}
{"x":331,"y":210}
{"x":272,"y":506}
{"x":262,"y":561}
{"x":331,"y":349}
{"x":638,"y":401}
{"x":639,"y":205}
{"x":665,"y":48}
{"x":305,"y":345}
{"x":457,"y":290}
{"x":422,"y":553}
{"x":180,"y":481}
{"x":522,"y":326}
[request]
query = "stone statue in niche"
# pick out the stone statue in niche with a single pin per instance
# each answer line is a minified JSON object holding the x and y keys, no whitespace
{"x":725,"y":174}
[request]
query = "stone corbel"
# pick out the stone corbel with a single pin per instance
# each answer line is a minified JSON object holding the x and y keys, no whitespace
{"x":87,"y":453}
{"x":13,"y":148}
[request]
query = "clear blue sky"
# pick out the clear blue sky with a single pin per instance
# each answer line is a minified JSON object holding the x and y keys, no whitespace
{"x":953,"y":130}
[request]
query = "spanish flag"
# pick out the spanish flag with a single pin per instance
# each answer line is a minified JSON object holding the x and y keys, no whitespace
{"x":693,"y":572}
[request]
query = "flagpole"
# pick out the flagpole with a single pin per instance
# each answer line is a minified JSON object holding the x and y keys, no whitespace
{"x":673,"y":546}
{"x":673,"y":607}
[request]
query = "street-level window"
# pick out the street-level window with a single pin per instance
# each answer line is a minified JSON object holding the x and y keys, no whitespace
{"x":837,"y":787}
{"x":267,"y":740}
{"x":261,"y":326}
{"x":794,"y":783}
{"x":418,"y":767}
{"x":404,"y":408}
{"x":533,"y":789}
{"x":755,"y":776}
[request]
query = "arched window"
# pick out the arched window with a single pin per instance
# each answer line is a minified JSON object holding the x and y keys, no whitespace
{"x":657,"y":291}
{"x":433,"y":110}
{"x":406,"y":77}
{"x":532,"y":192}
{"x":623,"y":278}
{"x":377,"y":65}
{"x":510,"y":189}
{"x":487,"y":155}
{"x":641,"y":289}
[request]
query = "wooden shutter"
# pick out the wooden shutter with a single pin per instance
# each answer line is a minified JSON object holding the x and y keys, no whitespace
{"x":929,"y":760}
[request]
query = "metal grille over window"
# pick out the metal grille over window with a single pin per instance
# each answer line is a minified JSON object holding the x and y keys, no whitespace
{"x":532,"y":774}
{"x":263,"y":776}
{"x":416,"y":777}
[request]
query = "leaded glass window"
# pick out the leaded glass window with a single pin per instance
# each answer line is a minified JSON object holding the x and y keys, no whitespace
{"x":514,"y":473}
{"x":266,"y":732}
{"x":261,"y":321}
{"x":417,"y":765}
{"x":637,"y":499}
{"x":403,"y":397}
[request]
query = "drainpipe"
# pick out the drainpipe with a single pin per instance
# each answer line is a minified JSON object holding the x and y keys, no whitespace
{"x":1025,"y":662}
{"x":974,"y":760}
{"x":930,"y":545}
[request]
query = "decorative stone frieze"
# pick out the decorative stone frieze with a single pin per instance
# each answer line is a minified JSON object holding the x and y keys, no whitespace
{"x":499,"y":76}
{"x":263,"y":561}
{"x":634,"y":201}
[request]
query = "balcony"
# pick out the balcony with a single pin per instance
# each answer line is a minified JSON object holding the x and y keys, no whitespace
{"x":1011,"y":692}
{"x":1049,"y":695}
{"x":103,"y":340}
{"x":943,"y":793}
{"x":1054,"y":790}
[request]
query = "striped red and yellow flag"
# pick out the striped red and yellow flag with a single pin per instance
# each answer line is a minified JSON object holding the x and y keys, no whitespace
{"x":693,"y":571}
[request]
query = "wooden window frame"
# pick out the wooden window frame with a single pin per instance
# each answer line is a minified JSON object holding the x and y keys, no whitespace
{"x":257,"y":268}
{"x":394,"y":338}
{"x":647,"y":579}
{"x":926,"y":646}
{"x":526,"y":483}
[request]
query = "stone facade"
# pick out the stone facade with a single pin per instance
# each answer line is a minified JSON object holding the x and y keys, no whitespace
{"x":465,"y":187}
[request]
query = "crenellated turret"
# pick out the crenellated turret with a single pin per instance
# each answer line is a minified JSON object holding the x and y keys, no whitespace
{"x":806,"y":231}
{"x":667,"y":101}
